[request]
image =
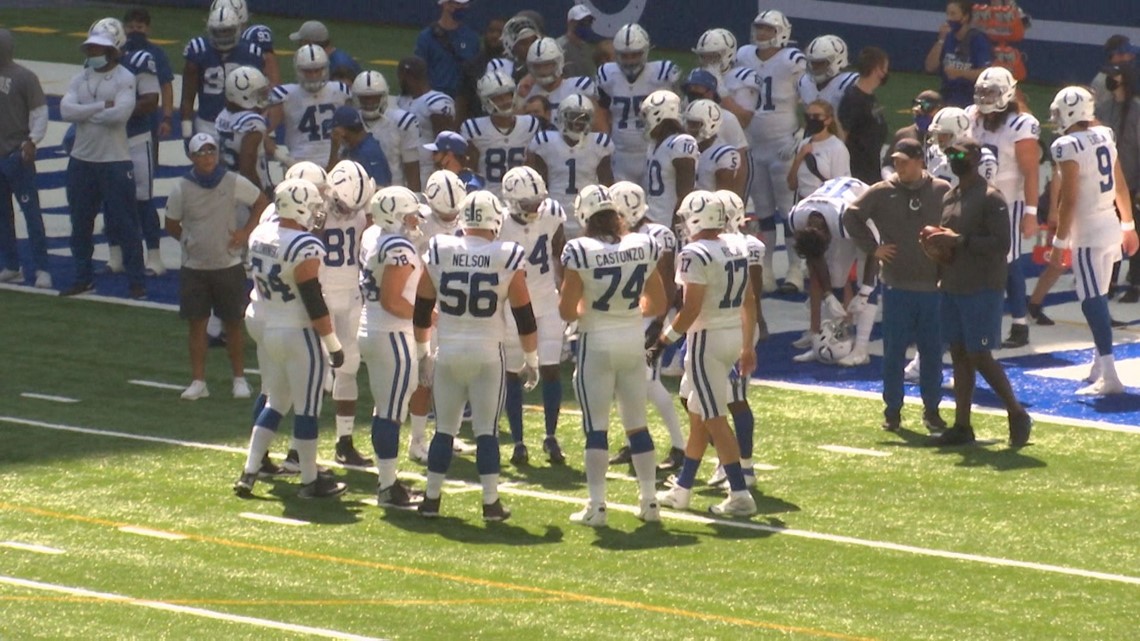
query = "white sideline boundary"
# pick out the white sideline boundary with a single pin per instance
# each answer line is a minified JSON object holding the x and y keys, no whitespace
{"x":689,"y":517}
{"x":181,"y":609}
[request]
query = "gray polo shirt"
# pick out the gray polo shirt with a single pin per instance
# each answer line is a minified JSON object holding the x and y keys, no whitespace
{"x":20,"y":93}
{"x":209,"y":218}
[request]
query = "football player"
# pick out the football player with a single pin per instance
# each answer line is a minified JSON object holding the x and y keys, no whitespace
{"x":951,"y":125}
{"x":257,"y":34}
{"x":435,"y":110}
{"x":719,"y":324}
{"x":535,"y":223}
{"x":739,"y":87}
{"x":545,"y":60}
{"x":519,"y":33}
{"x":671,"y":167}
{"x":622,"y":88}
{"x":572,"y":156}
{"x":826,"y":80}
{"x":209,"y":60}
{"x":473,"y":276}
{"x":718,"y":166}
{"x":497,"y":142}
{"x":390,"y":273}
{"x":306,"y":107}
{"x":611,"y":283}
{"x":1093,"y":193}
{"x":397,"y":131}
{"x":242,"y":128}
{"x":1000,"y":123}
{"x":284,"y":261}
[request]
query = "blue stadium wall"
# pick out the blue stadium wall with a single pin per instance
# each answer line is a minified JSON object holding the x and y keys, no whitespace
{"x":1064,"y":45}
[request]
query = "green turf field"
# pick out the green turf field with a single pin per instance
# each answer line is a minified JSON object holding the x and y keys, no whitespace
{"x":972,"y":543}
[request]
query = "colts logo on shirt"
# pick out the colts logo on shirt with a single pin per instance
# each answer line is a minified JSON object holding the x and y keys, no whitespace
{"x":5,"y":84}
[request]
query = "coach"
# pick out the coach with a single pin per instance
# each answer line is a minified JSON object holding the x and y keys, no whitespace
{"x":446,"y":45}
{"x":900,"y":207}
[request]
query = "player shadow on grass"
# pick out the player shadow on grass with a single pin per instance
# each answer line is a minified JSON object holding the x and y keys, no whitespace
{"x":549,"y":477}
{"x":323,"y":511}
{"x":992,"y":453}
{"x":1113,"y":404}
{"x":765,"y":504}
{"x":472,"y":531}
{"x":647,"y":536}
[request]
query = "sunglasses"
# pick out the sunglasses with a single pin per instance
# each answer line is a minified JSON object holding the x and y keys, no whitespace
{"x":957,"y":154}
{"x":925,"y":105}
{"x":204,"y":152}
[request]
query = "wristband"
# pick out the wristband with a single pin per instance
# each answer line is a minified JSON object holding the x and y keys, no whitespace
{"x":866,"y":290}
{"x":671,"y":335}
{"x":530,"y":359}
{"x":1031,"y":210}
{"x":331,"y":343}
{"x":422,"y":350}
{"x":187,"y":129}
{"x":1062,"y":243}
{"x":1128,"y":226}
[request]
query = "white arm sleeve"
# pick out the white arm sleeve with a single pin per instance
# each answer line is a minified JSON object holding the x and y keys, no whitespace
{"x":71,"y":110}
{"x":37,"y":124}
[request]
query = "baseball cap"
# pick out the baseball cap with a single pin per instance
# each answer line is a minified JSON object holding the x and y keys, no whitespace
{"x":967,"y":145}
{"x":700,"y":78}
{"x":201,"y":140}
{"x":908,"y":148}
{"x":448,"y":141}
{"x":1119,"y":44}
{"x":579,"y":12}
{"x":100,"y":37}
{"x":347,"y":116}
{"x":313,"y":31}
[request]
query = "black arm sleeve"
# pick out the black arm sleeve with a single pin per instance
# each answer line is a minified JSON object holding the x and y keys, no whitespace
{"x":421,"y":317}
{"x":524,"y":318}
{"x":313,"y":299}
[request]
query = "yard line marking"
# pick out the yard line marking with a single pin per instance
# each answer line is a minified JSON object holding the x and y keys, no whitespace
{"x":843,"y":449}
{"x":458,"y":578}
{"x":254,"y":371}
{"x":665,"y":514}
{"x":182,"y":609}
{"x":269,"y":518}
{"x":49,"y":397}
{"x":31,"y":547}
{"x":158,"y":534}
{"x":27,"y":289}
{"x":289,"y":602}
{"x":155,"y":384}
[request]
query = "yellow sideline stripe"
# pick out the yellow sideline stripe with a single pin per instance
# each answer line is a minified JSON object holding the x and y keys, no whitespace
{"x":40,"y":30}
{"x":456,"y":578}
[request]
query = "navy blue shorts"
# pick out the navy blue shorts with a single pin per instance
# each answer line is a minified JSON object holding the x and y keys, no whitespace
{"x":973,"y":320}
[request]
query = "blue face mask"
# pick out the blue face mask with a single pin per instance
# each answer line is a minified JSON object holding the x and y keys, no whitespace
{"x":459,"y":14}
{"x":136,"y":40}
{"x":585,"y":32}
{"x":922,"y":121}
{"x":955,"y":25}
{"x":96,"y":62}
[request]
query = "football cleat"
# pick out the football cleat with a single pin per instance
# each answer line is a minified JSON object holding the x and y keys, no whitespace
{"x":43,"y":280}
{"x":495,"y":511}
{"x":11,"y":276}
{"x":553,"y":451}
{"x":675,"y":497}
{"x":591,"y":516}
{"x":672,"y":460}
{"x":429,"y":508}
{"x":1102,"y":387}
{"x":417,"y":451}
{"x":623,"y":457}
{"x":521,"y":456}
{"x":347,"y":454}
{"x":957,"y":435}
{"x":719,"y":476}
{"x":741,"y":504}
{"x":195,"y":391}
{"x":649,"y":511}
{"x":398,"y":495}
{"x":324,"y":487}
{"x":269,"y":469}
{"x":292,"y":465}
{"x":460,"y":446}
{"x":243,"y":487}
{"x":1020,"y":425}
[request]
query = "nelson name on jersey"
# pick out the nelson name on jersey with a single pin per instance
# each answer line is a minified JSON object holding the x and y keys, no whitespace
{"x":470,"y":260}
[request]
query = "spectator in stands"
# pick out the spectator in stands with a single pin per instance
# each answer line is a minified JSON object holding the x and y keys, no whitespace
{"x":1119,"y":108}
{"x":960,"y":53}
{"x":821,"y":155}
{"x":1118,"y":52}
{"x":863,"y":118}
{"x":23,"y":123}
{"x":446,"y":45}
{"x":925,"y":105}
{"x":579,"y":42}
{"x":201,"y":213}
{"x":342,"y":66}
{"x":352,"y":141}
{"x":467,"y":103}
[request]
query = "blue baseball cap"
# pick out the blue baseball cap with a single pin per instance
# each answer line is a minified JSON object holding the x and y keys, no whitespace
{"x":347,"y":116}
{"x":448,"y":141}
{"x":700,"y":78}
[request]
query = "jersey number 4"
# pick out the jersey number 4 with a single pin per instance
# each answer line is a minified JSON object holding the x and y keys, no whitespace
{"x":270,"y":282}
{"x":630,"y":293}
{"x":468,"y":293}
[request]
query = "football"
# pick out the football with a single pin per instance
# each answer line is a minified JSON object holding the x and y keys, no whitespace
{"x":939,"y":253}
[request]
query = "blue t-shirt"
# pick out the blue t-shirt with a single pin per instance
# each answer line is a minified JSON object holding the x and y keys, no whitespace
{"x":973,"y":54}
{"x":369,"y":154}
{"x":446,"y":54}
{"x":213,"y":65}
{"x":339,"y":60}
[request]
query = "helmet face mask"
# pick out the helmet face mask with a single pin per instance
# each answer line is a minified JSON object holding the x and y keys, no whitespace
{"x":733,"y":210}
{"x":575,"y":116}
{"x":836,"y":340}
{"x":223,"y":28}
{"x":312,"y":66}
{"x":631,"y":44}
{"x":702,"y":211}
{"x":395,"y":210}
{"x":544,"y":60}
{"x":298,"y":200}
{"x":949,"y":125}
{"x":370,"y":91}
{"x":716,"y":51}
{"x":771,"y":30}
{"x":994,"y":90}
{"x":826,"y":57}
{"x":496,"y":93}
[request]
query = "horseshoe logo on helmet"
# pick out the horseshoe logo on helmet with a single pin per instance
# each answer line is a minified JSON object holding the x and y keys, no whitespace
{"x":607,"y":24}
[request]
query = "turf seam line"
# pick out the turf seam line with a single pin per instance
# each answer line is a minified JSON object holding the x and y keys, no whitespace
{"x":49,"y":397}
{"x":31,"y":547}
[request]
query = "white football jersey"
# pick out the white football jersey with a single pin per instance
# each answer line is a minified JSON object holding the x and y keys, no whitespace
{"x":938,"y":165}
{"x":830,"y":200}
{"x":398,"y":133}
{"x":471,"y":277}
{"x":432,"y":226}
{"x":505,"y":65}
{"x":720,"y":265}
{"x":731,"y":132}
{"x":274,"y":252}
{"x":1094,"y":209}
{"x":340,"y":270}
{"x":756,"y":248}
{"x":1002,"y":142}
{"x":537,"y":239}
{"x":779,"y":77}
{"x":742,"y":84}
{"x":664,"y":237}
{"x":379,"y":251}
{"x":717,"y":157}
{"x":613,"y":278}
{"x":569,"y":168}
{"x":623,"y":98}
{"x":308,"y":118}
{"x":832,"y":91}
{"x":499,"y":151}
{"x":575,"y":84}
{"x":661,"y":176}
{"x":432,"y":103}
{"x":232,"y":128}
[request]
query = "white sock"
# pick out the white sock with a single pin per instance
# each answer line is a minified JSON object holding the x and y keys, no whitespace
{"x":746,"y":464}
{"x":293,"y":443}
{"x":735,"y":494}
{"x":915,"y":364}
{"x":115,"y":257}
{"x":645,"y":468}
{"x":259,"y":442}
{"x":663,"y":401}
{"x":307,"y":456}
{"x":490,"y":488}
{"x":1108,"y":368}
{"x":386,"y":469}
{"x":863,"y":325}
{"x":214,"y":326}
{"x":344,"y":425}
{"x":597,"y":463}
{"x":419,"y":428}
{"x":1021,"y":321}
{"x":434,"y":485}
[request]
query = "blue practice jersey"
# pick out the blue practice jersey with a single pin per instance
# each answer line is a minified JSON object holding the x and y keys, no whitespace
{"x":141,"y":63}
{"x":213,"y":66}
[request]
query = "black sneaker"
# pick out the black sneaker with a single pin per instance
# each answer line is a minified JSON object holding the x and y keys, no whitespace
{"x":1131,"y":296}
{"x":1038,"y":315}
{"x":957,"y":435}
{"x":324,"y":487}
{"x":398,"y":495}
{"x":215,"y":341}
{"x":892,"y":421}
{"x":933,"y":421}
{"x":672,"y":460}
{"x":429,"y":508}
{"x":1020,"y":425}
{"x":1018,"y":336}
{"x":137,"y":292}
{"x":521,"y":455}
{"x":495,"y":511}
{"x":1116,"y":324}
{"x":553,"y":451}
{"x":243,"y":487}
{"x":77,"y":289}
{"x":347,"y":454}
{"x":292,"y":465}
{"x":623,"y":457}
{"x":269,"y":469}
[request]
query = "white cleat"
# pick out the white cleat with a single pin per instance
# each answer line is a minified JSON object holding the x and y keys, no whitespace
{"x":196,"y":391}
{"x":1094,"y":372}
{"x":460,"y":446}
{"x":417,"y":451}
{"x":719,"y":477}
{"x":241,"y":388}
{"x":804,"y":341}
{"x":115,"y":259}
{"x":807,"y":357}
{"x":591,"y":516}
{"x":856,"y":358}
{"x":675,"y":497}
{"x":649,"y":511}
{"x":43,"y":280}
{"x":749,"y":477}
{"x":154,"y":262}
{"x":1102,"y":387}
{"x":794,"y":279}
{"x":11,"y":275}
{"x":741,"y":504}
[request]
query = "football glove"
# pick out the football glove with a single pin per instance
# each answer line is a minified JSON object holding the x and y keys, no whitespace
{"x":653,"y":332}
{"x":427,"y":370}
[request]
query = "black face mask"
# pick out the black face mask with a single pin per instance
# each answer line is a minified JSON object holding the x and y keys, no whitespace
{"x":962,"y":167}
{"x":813,"y":126}
{"x":1112,"y":84}
{"x":883,"y":82}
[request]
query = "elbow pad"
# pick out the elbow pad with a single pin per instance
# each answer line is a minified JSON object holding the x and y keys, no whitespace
{"x":313,"y":299}
{"x":524,"y":319}
{"x":421,"y":317}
